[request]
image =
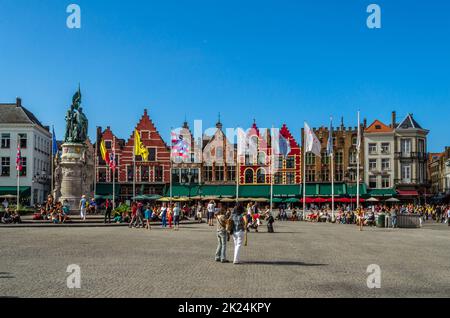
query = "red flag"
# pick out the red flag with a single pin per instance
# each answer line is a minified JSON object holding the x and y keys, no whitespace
{"x":19,"y":166}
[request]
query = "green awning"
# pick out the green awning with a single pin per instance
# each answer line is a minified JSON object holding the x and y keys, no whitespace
{"x":23,"y":190}
{"x":389,"y":192}
{"x":105,"y":189}
{"x":325,"y":189}
{"x":289,"y":190}
{"x":182,"y":191}
{"x":312,"y":189}
{"x":254,"y":191}
{"x":351,"y":189}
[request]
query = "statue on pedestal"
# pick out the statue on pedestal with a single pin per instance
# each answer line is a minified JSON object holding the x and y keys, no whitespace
{"x":75,"y":166}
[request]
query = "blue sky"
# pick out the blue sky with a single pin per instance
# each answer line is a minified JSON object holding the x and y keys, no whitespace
{"x":276,"y":61}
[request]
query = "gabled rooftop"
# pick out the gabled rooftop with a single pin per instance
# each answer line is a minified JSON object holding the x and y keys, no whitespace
{"x":409,"y":123}
{"x":17,"y":114}
{"x":378,"y":127}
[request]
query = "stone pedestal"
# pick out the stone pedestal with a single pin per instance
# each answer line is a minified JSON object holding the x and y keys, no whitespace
{"x":75,"y":174}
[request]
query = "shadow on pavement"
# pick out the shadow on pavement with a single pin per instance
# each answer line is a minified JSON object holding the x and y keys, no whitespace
{"x":282,"y":263}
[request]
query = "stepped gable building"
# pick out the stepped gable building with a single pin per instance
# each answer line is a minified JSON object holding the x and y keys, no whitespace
{"x":410,"y":158}
{"x":219,"y":159}
{"x":379,"y":145}
{"x":345,"y":163}
{"x":255,"y":164}
{"x":187,"y":171}
{"x":19,"y":125}
{"x":289,"y":168}
{"x":151,"y":176}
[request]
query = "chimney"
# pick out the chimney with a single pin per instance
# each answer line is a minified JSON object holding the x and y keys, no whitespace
{"x":365,"y":123}
{"x":394,"y":119}
{"x":18,"y":102}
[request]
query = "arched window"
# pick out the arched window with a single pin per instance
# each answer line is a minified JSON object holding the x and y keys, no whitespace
{"x":261,"y":176}
{"x":261,"y":158}
{"x":249,"y":176}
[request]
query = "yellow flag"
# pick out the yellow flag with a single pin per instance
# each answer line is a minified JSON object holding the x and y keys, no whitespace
{"x":139,"y":147}
{"x":103,"y":150}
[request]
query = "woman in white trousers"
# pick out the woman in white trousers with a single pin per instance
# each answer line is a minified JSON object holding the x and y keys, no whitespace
{"x":239,"y":228}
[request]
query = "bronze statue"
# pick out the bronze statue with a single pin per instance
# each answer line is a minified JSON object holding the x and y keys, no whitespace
{"x":76,"y":121}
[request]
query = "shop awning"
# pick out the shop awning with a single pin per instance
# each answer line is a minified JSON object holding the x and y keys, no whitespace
{"x":312,"y":189}
{"x":105,"y":189}
{"x":408,"y":193}
{"x":351,"y":189}
{"x":382,"y":192}
{"x":23,"y":190}
{"x":325,"y":189}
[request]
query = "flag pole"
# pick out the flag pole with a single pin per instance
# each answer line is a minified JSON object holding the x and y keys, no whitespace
{"x":272,"y":162}
{"x":52,"y":185}
{"x":332,"y":170}
{"x":304,"y":173}
{"x":134,"y":167}
{"x":170,"y":171}
{"x":18,"y":174}
{"x":358,"y":149}
{"x":114,"y":174}
{"x":238,"y":175}
{"x":95,"y":162}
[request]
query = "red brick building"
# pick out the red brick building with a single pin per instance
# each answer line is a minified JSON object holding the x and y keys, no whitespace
{"x":151,"y":176}
{"x":255,"y":166}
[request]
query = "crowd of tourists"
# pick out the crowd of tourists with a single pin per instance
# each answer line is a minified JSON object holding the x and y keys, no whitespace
{"x":344,"y":214}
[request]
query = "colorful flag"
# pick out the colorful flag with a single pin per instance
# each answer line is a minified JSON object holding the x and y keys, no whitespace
{"x":139,"y":147}
{"x":112,"y":157}
{"x":312,"y":143}
{"x":54,"y":143}
{"x":104,"y":152}
{"x":330,"y":139}
{"x":19,"y":166}
{"x":180,"y":147}
{"x":281,"y":145}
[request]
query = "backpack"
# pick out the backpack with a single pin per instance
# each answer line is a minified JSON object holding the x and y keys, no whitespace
{"x":229,"y":225}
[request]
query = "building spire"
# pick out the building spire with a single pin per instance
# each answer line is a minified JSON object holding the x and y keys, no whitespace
{"x":219,"y":123}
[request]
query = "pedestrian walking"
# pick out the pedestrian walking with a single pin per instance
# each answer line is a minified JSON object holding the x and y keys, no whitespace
{"x":108,"y":211}
{"x":170,"y":215}
{"x":199,"y":213}
{"x":133,"y":214}
{"x":448,"y":215}
{"x":139,"y":215}
{"x":222,"y":236}
{"x":239,"y":226}
{"x":270,"y":220}
{"x":163,"y":216}
{"x":83,"y":206}
{"x":176,"y":217}
{"x":210,"y":209}
{"x":147,"y":217}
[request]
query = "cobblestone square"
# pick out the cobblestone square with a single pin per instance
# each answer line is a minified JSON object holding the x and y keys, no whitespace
{"x":299,"y":260}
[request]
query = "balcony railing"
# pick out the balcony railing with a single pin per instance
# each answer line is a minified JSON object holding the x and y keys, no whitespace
{"x":411,"y":155}
{"x":410,"y":181}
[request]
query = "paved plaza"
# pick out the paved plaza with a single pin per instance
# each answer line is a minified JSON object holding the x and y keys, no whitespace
{"x":300,"y":260}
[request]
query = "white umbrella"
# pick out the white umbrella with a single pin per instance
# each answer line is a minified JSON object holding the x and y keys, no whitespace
{"x":392,"y":200}
{"x":372,"y":199}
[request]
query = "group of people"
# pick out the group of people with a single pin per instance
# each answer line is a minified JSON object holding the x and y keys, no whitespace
{"x":367,"y":216}
{"x":141,"y":215}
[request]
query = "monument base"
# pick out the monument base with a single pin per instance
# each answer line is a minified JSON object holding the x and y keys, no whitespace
{"x":74,"y":180}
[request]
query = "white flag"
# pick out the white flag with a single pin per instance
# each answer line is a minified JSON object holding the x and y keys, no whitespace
{"x":242,"y":142}
{"x":312,"y":143}
{"x":358,"y":141}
